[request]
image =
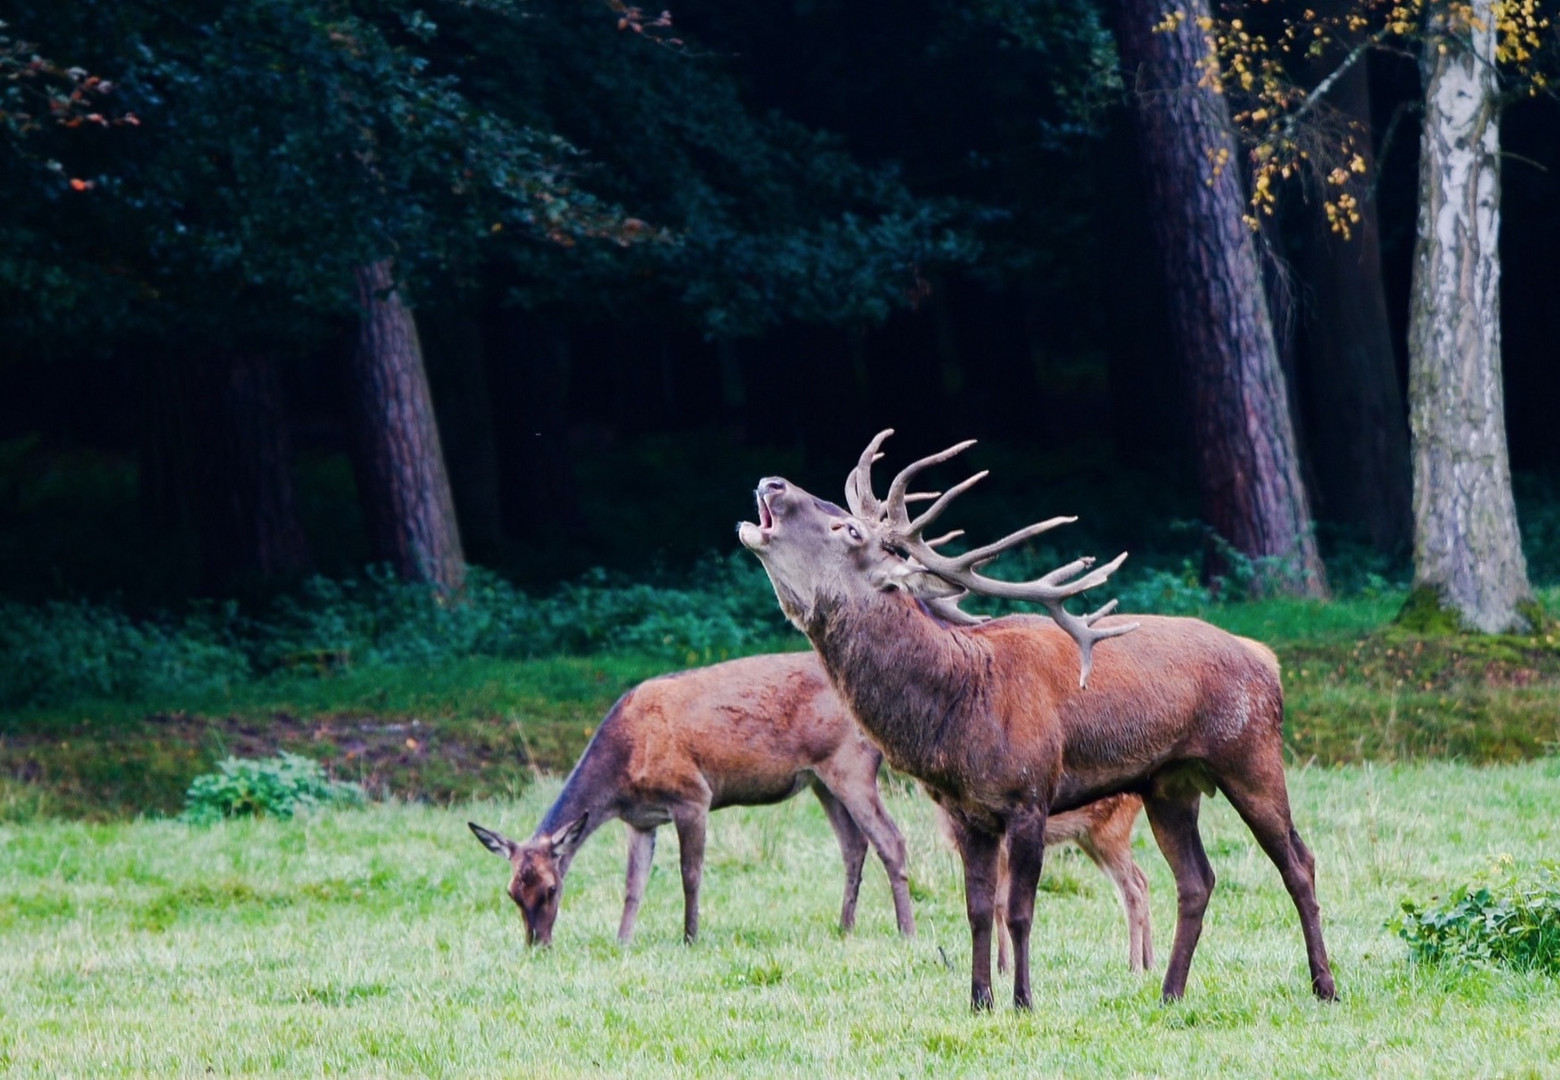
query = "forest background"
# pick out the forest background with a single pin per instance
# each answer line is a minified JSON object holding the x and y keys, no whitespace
{"x":339,"y":334}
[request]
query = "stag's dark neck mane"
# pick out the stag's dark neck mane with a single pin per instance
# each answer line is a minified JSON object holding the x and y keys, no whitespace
{"x":913,"y":680}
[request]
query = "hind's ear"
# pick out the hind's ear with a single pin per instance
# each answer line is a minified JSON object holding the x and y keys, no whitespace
{"x":497,"y":843}
{"x":566,"y":839}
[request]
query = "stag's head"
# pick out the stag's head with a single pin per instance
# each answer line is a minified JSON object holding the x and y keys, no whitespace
{"x":817,"y":553}
{"x":537,"y":868}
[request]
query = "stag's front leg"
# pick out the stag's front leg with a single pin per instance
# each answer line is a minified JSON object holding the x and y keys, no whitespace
{"x":979,"y":850}
{"x":1026,"y":855}
{"x":690,"y":822}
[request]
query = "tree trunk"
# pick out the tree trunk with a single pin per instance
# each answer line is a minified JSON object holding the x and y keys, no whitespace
{"x":1355,"y":410}
{"x":1467,"y":551}
{"x":407,"y":506}
{"x":243,"y":500}
{"x":1248,"y":467}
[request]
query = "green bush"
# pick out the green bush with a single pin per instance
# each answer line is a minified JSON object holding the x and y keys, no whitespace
{"x":1501,"y":919}
{"x":61,"y":651}
{"x":277,"y":787}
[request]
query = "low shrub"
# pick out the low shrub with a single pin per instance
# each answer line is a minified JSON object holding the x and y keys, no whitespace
{"x":61,"y":651}
{"x":276,"y":787}
{"x":1501,"y":918}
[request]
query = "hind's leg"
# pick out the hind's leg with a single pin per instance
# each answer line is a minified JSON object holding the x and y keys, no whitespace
{"x":853,"y":848}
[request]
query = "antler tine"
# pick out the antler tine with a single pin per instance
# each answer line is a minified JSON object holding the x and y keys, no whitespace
{"x":894,"y":503}
{"x":982,"y":555}
{"x":935,"y":510}
{"x":858,"y":485}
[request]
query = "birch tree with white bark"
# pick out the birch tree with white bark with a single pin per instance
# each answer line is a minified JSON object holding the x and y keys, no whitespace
{"x":1467,"y":548}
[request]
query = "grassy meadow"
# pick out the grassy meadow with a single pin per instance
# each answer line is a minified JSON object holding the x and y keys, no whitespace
{"x":378,"y":942}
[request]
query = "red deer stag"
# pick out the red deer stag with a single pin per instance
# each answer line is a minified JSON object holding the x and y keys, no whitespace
{"x":749,"y":732}
{"x":989,"y":718}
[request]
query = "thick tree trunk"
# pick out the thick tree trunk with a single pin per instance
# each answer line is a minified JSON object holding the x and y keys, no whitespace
{"x":243,"y":499}
{"x":1248,"y":467}
{"x":407,"y":506}
{"x":1355,"y":410}
{"x":1467,"y":551}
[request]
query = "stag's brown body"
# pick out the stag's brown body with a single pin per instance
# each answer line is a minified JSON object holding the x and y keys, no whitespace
{"x":743,"y":733}
{"x":992,"y":718}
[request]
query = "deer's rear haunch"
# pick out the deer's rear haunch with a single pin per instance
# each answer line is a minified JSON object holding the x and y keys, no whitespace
{"x":1002,"y":724}
{"x":744,"y":733}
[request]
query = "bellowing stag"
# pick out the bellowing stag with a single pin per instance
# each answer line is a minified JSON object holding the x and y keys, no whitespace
{"x":990,"y":717}
{"x":743,"y":733}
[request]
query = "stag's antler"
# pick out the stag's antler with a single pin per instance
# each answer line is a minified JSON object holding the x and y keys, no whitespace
{"x":892,"y":518}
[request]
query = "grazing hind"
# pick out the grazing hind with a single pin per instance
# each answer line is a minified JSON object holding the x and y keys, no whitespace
{"x":742,"y":733}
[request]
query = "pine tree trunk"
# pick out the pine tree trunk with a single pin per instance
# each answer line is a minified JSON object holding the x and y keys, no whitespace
{"x":1248,"y":467}
{"x":1355,"y":412}
{"x":405,"y":492}
{"x":245,"y":510}
{"x":1467,"y":550}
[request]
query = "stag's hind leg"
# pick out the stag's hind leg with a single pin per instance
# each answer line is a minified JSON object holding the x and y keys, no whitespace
{"x":1172,"y":813}
{"x":853,"y":848}
{"x":1263,"y":804}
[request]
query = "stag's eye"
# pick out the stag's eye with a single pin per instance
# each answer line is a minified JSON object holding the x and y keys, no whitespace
{"x":853,"y":532}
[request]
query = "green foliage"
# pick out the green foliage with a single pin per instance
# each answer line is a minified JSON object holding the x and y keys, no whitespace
{"x":279,"y":787}
{"x":1502,"y":918}
{"x":62,"y":650}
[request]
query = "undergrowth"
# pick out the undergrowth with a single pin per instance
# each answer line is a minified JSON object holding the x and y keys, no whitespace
{"x":277,"y":787}
{"x":1501,"y":918}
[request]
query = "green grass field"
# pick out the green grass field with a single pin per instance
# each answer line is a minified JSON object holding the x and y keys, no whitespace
{"x":379,"y":943}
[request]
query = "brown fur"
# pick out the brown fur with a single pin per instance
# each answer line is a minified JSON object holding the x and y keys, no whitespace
{"x":992,"y":720}
{"x":743,"y":733}
{"x":1103,"y":831}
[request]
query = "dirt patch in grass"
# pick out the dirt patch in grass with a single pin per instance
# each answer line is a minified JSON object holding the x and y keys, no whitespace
{"x":147,"y":766}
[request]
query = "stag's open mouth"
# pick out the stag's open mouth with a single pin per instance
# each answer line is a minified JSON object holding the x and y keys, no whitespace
{"x":755,"y":537}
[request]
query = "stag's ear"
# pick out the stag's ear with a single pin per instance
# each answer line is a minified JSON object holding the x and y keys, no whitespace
{"x":497,"y":843}
{"x":910,"y":576}
{"x":566,"y":839}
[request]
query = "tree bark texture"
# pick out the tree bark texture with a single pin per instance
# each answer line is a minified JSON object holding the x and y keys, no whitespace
{"x":245,"y":509}
{"x":1248,"y":467}
{"x":1467,"y":549}
{"x":1355,"y":409}
{"x":408,"y":509}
